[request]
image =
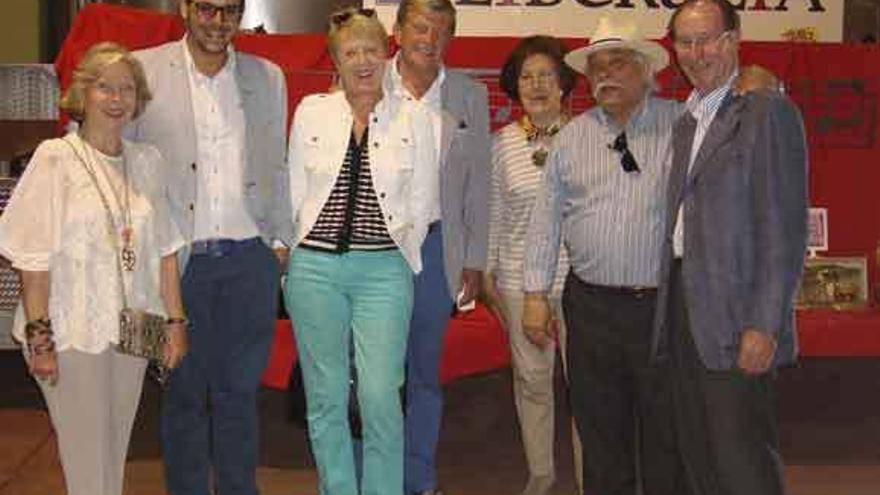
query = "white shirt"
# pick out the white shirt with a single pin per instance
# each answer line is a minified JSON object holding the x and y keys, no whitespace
{"x":703,"y":109}
{"x":220,"y":210}
{"x":432,"y":102}
{"x":402,"y":166}
{"x":56,"y":222}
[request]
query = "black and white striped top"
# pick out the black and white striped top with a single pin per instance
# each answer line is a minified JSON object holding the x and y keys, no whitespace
{"x":351,"y":219}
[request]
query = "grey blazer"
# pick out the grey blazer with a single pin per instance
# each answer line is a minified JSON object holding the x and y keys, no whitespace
{"x":745,"y":209}
{"x":168,"y":124}
{"x":465,"y":163}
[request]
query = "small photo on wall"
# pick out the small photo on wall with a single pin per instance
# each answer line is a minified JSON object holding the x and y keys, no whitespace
{"x":834,"y":282}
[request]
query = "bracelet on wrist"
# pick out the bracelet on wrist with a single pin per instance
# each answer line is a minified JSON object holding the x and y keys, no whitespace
{"x":177,"y":320}
{"x":39,"y":334}
{"x":37,"y":324}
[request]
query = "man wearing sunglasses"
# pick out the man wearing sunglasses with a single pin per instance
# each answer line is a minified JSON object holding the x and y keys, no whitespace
{"x":604,"y":199}
{"x":455,"y":252}
{"x":219,"y":116}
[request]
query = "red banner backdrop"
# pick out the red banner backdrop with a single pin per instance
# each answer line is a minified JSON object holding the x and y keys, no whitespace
{"x":836,"y":87}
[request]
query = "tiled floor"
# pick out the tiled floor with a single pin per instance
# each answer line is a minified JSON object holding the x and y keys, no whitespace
{"x":829,"y":425}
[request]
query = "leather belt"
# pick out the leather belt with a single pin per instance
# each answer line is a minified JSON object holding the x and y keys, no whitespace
{"x":636,"y":291}
{"x":218,"y":248}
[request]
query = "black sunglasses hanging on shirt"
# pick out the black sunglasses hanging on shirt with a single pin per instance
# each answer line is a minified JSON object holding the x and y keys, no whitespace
{"x":627,"y":160}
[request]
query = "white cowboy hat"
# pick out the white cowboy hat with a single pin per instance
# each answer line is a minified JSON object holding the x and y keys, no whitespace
{"x":611,"y":35}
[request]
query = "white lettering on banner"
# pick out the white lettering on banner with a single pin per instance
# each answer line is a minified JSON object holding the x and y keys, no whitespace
{"x":762,"y":20}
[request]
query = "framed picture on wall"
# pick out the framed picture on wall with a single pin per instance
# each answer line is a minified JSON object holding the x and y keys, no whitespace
{"x":834,"y":282}
{"x":817,"y":230}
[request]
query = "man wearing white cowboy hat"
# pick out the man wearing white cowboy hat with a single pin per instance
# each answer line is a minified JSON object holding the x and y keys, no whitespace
{"x":605,"y":196}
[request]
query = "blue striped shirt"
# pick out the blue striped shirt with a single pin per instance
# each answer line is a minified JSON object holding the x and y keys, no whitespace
{"x":612,"y":220}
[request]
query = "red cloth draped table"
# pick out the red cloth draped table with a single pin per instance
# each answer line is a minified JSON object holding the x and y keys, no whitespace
{"x":829,"y":333}
{"x":474,"y":343}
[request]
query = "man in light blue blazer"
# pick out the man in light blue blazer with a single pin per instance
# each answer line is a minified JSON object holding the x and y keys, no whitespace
{"x":733,"y":254}
{"x":218,"y":116}
{"x":455,"y":251}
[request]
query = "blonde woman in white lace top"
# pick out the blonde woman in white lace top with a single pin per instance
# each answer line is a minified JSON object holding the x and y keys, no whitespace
{"x":57,"y":233}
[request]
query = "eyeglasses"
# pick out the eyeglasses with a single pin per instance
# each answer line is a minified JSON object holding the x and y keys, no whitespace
{"x":123,"y":90}
{"x":627,"y":160}
{"x":701,"y":42}
{"x":537,"y":79}
{"x":208,"y":11}
{"x":341,"y":18}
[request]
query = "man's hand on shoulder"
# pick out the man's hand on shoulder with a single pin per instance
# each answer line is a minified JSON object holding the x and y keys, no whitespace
{"x":756,"y":78}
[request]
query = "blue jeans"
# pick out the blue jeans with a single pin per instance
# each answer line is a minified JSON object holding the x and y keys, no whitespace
{"x":424,"y":396}
{"x":209,"y":412}
{"x":334,"y":300}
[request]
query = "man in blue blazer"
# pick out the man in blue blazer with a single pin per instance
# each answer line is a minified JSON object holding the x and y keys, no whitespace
{"x":455,"y":251}
{"x":218,"y":116}
{"x":732,"y":258}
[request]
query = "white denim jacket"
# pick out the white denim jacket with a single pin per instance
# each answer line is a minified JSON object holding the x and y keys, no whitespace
{"x":402,"y":164}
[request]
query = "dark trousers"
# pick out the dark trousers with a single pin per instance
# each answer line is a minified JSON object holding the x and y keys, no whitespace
{"x":621,"y":403}
{"x":726,"y":420}
{"x":209,"y":411}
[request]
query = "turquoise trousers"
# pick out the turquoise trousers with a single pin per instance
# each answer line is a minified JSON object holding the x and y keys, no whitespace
{"x":364,"y":299}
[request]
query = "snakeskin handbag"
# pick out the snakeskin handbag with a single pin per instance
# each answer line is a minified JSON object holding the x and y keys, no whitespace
{"x":141,"y":334}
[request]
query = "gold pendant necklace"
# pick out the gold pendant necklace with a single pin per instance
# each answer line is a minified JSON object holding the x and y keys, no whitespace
{"x":126,"y":232}
{"x":541,"y":137}
{"x":128,"y":257}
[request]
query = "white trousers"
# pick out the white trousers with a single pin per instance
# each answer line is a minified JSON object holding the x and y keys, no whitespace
{"x":533,"y":390}
{"x":92,"y":408}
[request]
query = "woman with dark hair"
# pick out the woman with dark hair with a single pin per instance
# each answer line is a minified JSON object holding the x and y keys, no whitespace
{"x":535,"y":76}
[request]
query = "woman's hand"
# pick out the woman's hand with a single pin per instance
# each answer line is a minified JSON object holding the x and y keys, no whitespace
{"x":176,"y":346}
{"x":44,"y":367}
{"x":491,"y":297}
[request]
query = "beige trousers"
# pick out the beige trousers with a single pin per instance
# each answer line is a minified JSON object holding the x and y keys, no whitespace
{"x":92,"y":408}
{"x":533,"y":391}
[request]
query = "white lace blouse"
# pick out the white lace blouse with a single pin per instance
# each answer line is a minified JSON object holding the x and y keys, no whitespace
{"x":56,"y":221}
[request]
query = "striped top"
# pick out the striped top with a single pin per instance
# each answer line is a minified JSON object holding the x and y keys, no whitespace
{"x":611,"y":221}
{"x":515,"y":185}
{"x":351,"y":218}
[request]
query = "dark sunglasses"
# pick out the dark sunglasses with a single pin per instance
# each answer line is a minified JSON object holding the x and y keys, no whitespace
{"x":341,"y":18}
{"x":627,"y":160}
{"x":207,"y":10}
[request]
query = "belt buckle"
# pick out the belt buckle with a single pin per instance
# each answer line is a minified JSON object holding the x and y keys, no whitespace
{"x":215,"y":248}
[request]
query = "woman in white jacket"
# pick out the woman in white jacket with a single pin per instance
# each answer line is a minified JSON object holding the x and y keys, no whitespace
{"x":363,"y":176}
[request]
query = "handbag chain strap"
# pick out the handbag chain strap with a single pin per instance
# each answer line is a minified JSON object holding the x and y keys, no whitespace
{"x":111,"y":222}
